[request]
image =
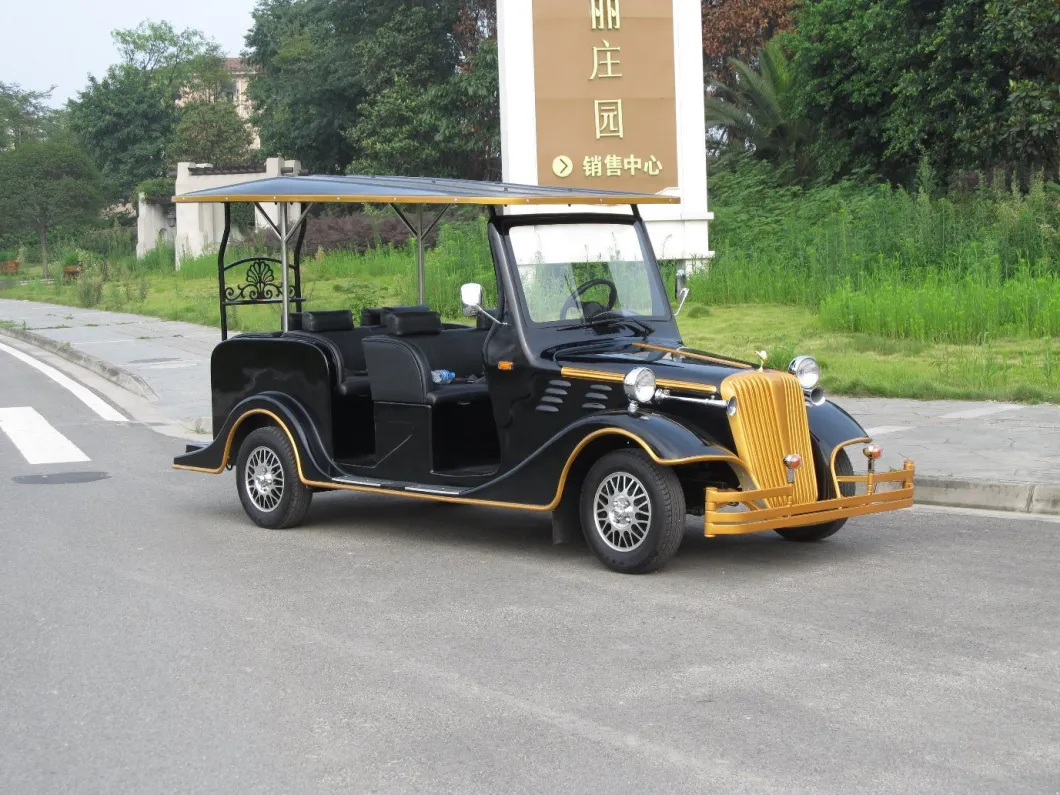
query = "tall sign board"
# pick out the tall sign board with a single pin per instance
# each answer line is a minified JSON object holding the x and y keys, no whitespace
{"x":608,"y":94}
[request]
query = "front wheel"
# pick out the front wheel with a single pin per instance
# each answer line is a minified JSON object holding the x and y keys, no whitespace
{"x":632,"y":512}
{"x":267,"y":480}
{"x":819,"y":532}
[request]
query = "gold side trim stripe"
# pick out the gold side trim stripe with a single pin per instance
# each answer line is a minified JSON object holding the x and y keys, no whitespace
{"x":606,"y":376}
{"x":459,"y":500}
{"x":690,"y":355}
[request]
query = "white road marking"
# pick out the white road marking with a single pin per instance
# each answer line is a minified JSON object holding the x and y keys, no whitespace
{"x":971,"y":414}
{"x":884,"y":429}
{"x":36,"y":439}
{"x":86,"y":396}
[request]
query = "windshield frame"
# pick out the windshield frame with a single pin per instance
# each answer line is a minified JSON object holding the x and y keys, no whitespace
{"x":507,"y":222}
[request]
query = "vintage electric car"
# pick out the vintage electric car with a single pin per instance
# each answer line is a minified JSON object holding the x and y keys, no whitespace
{"x":574,"y":393}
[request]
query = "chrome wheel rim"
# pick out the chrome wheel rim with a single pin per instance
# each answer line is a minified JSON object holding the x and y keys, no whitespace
{"x":622,"y":512}
{"x":264,"y":479}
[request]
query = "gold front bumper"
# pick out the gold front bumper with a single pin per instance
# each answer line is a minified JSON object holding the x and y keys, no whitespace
{"x":792,"y":514}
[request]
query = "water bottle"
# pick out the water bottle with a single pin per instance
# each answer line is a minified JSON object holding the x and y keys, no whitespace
{"x":443,"y":376}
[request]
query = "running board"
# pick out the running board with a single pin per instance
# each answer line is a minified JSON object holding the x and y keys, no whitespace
{"x":375,"y":484}
{"x":442,"y":491}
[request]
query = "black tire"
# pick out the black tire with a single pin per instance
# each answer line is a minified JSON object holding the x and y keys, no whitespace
{"x":819,"y":532}
{"x":293,"y":498}
{"x":665,"y":526}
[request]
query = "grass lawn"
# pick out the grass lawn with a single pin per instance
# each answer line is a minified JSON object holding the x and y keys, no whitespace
{"x":859,"y":364}
{"x":853,"y":364}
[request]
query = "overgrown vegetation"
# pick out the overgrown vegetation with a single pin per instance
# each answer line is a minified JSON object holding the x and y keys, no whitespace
{"x":975,"y":263}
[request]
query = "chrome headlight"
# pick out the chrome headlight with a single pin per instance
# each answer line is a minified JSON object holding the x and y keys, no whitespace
{"x":807,"y":370}
{"x":639,"y":384}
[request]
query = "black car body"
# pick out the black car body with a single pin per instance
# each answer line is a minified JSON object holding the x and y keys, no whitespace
{"x":574,"y":395}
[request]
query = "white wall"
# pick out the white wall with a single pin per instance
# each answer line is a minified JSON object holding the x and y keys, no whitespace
{"x":151,"y":227}
{"x":200,"y":226}
{"x":678,"y":231}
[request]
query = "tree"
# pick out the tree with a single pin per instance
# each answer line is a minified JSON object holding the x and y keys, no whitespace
{"x":306,"y":92}
{"x":47,"y":183}
{"x":126,"y":120}
{"x":211,"y":132}
{"x":186,"y":63}
{"x":761,"y":112}
{"x":968,"y":84}
{"x":384,"y":85}
{"x":397,"y":131}
{"x":740,"y":29}
{"x":24,"y":116}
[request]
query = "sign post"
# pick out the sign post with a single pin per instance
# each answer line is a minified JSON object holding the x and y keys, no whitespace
{"x":609,"y":94}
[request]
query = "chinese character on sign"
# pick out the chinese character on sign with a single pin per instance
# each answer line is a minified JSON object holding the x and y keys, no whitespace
{"x":633,"y":164}
{"x":594,"y":166}
{"x":609,"y":119}
{"x":614,"y":165}
{"x":605,"y":14}
{"x":653,"y":167}
{"x":604,"y":61}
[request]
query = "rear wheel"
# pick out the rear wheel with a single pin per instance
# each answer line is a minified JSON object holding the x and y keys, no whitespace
{"x":267,"y":480}
{"x":819,"y":532}
{"x":632,"y":512}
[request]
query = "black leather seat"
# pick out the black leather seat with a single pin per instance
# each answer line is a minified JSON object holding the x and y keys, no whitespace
{"x":400,"y":362}
{"x":335,"y":329}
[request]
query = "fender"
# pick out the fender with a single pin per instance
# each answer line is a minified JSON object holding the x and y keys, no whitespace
{"x":832,"y":428}
{"x":270,"y":408}
{"x":540,"y":479}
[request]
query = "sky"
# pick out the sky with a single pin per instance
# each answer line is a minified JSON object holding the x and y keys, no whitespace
{"x":61,"y":42}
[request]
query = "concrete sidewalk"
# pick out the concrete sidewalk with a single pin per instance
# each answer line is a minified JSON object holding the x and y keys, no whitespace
{"x":974,"y":454}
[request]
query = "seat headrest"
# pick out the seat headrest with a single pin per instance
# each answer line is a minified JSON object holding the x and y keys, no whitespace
{"x":294,"y":322}
{"x":376,"y":316}
{"x":331,"y":320}
{"x":402,"y":324}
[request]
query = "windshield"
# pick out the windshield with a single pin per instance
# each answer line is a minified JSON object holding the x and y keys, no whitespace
{"x":576,"y":272}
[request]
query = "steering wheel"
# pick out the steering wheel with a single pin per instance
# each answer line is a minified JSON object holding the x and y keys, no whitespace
{"x":572,"y":301}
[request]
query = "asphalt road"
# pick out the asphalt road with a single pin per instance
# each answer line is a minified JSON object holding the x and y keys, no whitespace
{"x":153,"y":640}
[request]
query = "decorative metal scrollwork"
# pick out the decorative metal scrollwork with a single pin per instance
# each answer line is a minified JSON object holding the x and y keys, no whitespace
{"x":261,"y":285}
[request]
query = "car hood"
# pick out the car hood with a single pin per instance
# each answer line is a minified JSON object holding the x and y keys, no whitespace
{"x":668,"y":364}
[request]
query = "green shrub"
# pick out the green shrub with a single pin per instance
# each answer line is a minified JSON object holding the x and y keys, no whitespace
{"x":697,"y":310}
{"x":91,"y":281}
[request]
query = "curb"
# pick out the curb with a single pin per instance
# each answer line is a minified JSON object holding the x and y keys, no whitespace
{"x":986,"y":495}
{"x":112,"y":373}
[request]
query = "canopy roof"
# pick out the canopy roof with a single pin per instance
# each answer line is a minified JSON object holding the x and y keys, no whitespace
{"x":410,"y":190}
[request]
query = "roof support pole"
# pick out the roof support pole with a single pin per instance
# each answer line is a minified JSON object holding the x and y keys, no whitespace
{"x":421,"y":260}
{"x":420,"y":233}
{"x":282,"y":207}
{"x":221,"y":270}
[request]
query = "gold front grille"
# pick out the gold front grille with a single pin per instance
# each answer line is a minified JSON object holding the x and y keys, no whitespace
{"x":771,"y":423}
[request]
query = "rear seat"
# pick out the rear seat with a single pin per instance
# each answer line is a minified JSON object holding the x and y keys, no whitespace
{"x":346,"y":340}
{"x":415,"y":344}
{"x":335,"y":327}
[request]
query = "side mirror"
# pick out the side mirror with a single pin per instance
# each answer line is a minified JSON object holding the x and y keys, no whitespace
{"x":471,"y":298}
{"x":680,"y":289}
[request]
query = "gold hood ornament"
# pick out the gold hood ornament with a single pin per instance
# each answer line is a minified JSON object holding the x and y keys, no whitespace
{"x":763,"y":356}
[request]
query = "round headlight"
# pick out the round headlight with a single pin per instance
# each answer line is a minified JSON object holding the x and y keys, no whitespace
{"x":807,"y":370}
{"x":639,"y":384}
